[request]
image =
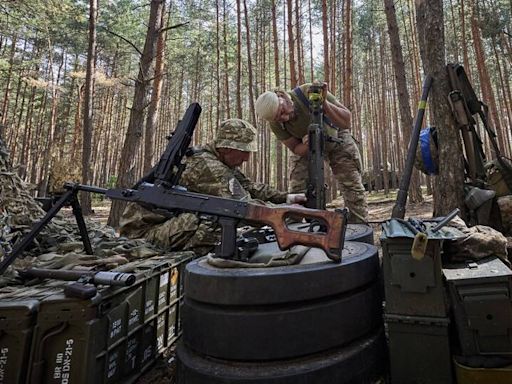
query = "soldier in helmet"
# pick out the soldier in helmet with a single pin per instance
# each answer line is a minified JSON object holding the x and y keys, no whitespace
{"x":213,"y":170}
{"x":289,"y":117}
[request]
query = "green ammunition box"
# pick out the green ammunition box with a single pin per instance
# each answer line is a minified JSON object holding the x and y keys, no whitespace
{"x":112,"y":337}
{"x":131,"y":354}
{"x":18,"y":313}
{"x":16,"y":322}
{"x":148,"y":345}
{"x":412,"y":287}
{"x":46,"y":337}
{"x":481,"y":296}
{"x":172,"y":326}
{"x":469,"y":375}
{"x":419,"y":350}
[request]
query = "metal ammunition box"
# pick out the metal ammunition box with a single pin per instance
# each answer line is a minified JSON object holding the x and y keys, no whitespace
{"x":110,"y":338}
{"x":16,"y":322}
{"x":468,"y":375}
{"x":481,"y":296}
{"x":412,"y":287}
{"x":18,"y":315}
{"x":419,"y":350}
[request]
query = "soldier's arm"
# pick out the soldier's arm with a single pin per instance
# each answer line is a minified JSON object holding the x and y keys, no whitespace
{"x":297,"y":146}
{"x":261,"y":191}
{"x":337,"y":112}
{"x":212,"y":177}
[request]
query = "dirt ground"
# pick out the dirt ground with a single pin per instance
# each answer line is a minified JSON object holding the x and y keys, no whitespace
{"x":380,"y":208}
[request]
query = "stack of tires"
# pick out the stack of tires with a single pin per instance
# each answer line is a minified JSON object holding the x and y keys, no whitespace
{"x":315,"y":322}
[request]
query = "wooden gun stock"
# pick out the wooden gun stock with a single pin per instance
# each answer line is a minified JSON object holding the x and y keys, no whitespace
{"x":331,"y":241}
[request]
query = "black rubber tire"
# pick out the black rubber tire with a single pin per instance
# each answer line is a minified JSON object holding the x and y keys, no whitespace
{"x":359,"y":232}
{"x":255,"y":286}
{"x":361,"y":362}
{"x":281,"y":331}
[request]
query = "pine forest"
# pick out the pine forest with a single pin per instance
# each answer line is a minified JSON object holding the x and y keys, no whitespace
{"x":89,"y":90}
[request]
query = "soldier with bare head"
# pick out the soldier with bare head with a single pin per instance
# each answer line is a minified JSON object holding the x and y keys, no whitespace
{"x":289,"y":118}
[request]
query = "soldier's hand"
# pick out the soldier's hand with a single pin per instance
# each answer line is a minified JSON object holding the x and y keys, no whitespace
{"x":296,"y":198}
{"x":325,"y":89}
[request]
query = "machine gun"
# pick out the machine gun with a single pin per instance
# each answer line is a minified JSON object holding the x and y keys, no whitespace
{"x":84,"y":282}
{"x":160,"y":192}
{"x":164,"y":196}
{"x":465,"y":105}
{"x":70,"y":197}
{"x":315,"y":191}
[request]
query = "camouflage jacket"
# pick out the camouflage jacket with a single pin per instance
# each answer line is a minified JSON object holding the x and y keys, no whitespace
{"x":206,"y":174}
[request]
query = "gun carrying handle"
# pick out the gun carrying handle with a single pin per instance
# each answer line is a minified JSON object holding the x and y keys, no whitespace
{"x":37,"y":369}
{"x":331,"y":241}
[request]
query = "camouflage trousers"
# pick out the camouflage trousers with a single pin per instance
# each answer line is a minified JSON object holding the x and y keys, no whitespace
{"x":345,"y":162}
{"x":184,"y":232}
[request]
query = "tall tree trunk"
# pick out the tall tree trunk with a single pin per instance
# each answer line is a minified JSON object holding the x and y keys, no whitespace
{"x":126,"y":172}
{"x":88,"y":105}
{"x":310,"y":23}
{"x":54,"y":91}
{"x":465,"y":57}
{"x":300,"y":43}
{"x":227,"y":113}
{"x":278,"y":144}
{"x":249,"y":65}
{"x":325,"y":34}
{"x":5,"y":103}
{"x":154,"y":105}
{"x":239,"y":60}
{"x":382,"y":126}
{"x":291,"y":45}
{"x":403,"y":93}
{"x":448,"y":193}
{"x":483,"y":74}
{"x":347,"y":73}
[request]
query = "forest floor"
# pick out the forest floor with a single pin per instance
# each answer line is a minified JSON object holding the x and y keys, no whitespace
{"x":380,"y":208}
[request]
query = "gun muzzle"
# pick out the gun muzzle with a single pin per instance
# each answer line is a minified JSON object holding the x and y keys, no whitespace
{"x":114,"y":278}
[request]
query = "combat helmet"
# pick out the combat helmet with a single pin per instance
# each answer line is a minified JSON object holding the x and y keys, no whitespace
{"x":236,"y":134}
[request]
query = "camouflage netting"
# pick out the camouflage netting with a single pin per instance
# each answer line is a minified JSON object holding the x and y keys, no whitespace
{"x":59,"y":244}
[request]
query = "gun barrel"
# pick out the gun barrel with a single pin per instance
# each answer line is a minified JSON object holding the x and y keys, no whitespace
{"x":315,"y":191}
{"x":114,"y":278}
{"x":104,"y":278}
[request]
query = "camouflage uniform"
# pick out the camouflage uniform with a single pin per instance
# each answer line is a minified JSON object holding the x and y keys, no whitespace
{"x":204,"y":173}
{"x":344,"y":159}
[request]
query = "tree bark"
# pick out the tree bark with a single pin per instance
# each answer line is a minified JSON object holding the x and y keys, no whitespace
{"x":88,"y":106}
{"x":448,"y":190}
{"x":403,"y":93}
{"x":239,"y":60}
{"x":325,"y":34}
{"x":126,"y":171}
{"x":347,"y":73}
{"x":291,"y":45}
{"x":154,"y":105}
{"x":278,"y":144}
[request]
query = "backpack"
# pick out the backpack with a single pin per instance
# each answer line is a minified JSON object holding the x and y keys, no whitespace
{"x":427,"y":154}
